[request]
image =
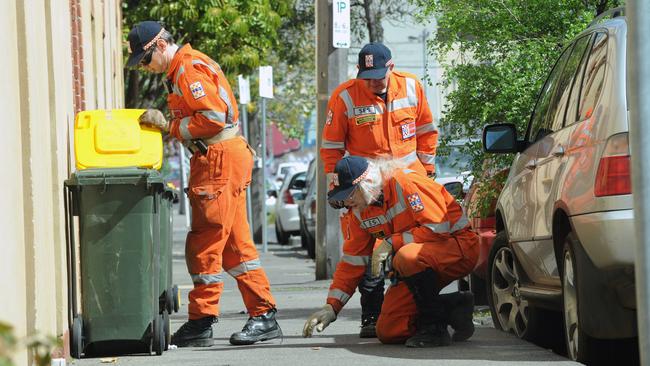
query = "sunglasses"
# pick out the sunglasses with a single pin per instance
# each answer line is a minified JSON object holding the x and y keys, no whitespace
{"x":146,"y":60}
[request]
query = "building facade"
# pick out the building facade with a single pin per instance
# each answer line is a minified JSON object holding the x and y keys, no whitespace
{"x":62,"y":57}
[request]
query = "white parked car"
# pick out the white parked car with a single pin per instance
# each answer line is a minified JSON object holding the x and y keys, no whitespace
{"x":287,"y":219}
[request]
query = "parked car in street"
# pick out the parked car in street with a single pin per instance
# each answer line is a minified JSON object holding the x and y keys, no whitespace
{"x":454,"y":167}
{"x":564,"y":220}
{"x":287,"y":220}
{"x":307,"y":212}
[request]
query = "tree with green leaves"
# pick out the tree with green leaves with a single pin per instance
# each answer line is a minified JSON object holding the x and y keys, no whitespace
{"x":496,"y":55}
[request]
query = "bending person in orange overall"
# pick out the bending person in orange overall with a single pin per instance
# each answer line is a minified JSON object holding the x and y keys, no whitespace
{"x":382,"y":114}
{"x":429,"y":237}
{"x":204,"y":117}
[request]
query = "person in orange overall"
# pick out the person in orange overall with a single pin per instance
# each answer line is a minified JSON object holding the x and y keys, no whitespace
{"x":430,"y":240}
{"x":204,"y":117}
{"x":383,"y":113}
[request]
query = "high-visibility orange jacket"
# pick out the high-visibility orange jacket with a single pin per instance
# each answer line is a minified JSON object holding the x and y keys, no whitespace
{"x":414,"y":209}
{"x":200,"y":99}
{"x":359,"y":122}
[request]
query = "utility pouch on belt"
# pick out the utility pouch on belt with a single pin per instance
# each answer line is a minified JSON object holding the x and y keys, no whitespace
{"x":201,"y":146}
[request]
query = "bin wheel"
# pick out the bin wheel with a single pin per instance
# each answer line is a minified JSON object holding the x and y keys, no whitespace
{"x":169,"y":300}
{"x":76,"y":337}
{"x":158,"y":336}
{"x":166,"y":328}
{"x":177,"y":298}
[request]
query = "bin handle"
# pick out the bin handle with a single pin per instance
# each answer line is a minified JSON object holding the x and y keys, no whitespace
{"x":70,"y":254}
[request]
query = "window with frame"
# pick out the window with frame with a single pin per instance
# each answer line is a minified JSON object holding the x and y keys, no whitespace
{"x":594,"y":78}
{"x":538,"y":123}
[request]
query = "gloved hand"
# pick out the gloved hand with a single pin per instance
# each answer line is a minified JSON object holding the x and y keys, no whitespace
{"x":320,"y":319}
{"x":332,"y":180}
{"x":379,"y":255}
{"x":154,"y":118}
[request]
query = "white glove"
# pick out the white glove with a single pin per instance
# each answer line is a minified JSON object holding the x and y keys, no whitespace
{"x":154,"y":118}
{"x":320,"y":319}
{"x":332,"y":181}
{"x":379,"y":255}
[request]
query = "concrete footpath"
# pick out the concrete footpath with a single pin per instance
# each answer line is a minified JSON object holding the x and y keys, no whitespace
{"x":298,"y":295}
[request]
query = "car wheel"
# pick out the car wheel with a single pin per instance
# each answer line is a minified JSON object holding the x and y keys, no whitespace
{"x":510,"y":311}
{"x":578,"y":343}
{"x":281,"y":235}
{"x":311,"y":246}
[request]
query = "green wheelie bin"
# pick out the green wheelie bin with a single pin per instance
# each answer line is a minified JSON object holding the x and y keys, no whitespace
{"x":122,"y":220}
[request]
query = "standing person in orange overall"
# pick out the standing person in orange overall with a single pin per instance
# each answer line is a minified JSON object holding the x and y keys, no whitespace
{"x":204,"y":116}
{"x":430,"y":240}
{"x":383,"y":113}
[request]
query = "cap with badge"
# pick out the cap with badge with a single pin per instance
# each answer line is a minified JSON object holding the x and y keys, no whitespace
{"x":374,"y":61}
{"x":141,"y":38}
{"x":351,"y":170}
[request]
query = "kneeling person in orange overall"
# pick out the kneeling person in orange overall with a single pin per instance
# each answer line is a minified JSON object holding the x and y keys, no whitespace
{"x":205,"y":118}
{"x":426,"y":232}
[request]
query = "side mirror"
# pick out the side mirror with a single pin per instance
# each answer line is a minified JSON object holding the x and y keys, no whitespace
{"x":500,"y":138}
{"x":455,"y":189}
{"x":272,"y":193}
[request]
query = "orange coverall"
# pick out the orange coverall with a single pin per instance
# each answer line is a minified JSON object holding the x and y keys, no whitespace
{"x":360,"y":123}
{"x":427,"y":229}
{"x":202,"y":105}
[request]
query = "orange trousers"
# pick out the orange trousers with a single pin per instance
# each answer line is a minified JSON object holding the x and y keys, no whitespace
{"x":451,"y":259}
{"x":220,"y":236}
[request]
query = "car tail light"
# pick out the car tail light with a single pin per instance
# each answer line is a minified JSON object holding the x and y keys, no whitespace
{"x":288,"y":197}
{"x":613,"y":176}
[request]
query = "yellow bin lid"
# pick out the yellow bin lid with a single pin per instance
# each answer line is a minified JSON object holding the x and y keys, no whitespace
{"x":114,"y":138}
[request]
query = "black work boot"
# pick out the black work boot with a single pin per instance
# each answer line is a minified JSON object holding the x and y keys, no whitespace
{"x":431,"y":326}
{"x":258,"y":328}
{"x":195,"y":333}
{"x":372,"y":297}
{"x":368,"y":326}
{"x":459,"y":312}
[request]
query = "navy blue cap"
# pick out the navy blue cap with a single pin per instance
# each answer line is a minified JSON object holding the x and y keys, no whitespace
{"x":140,"y":40}
{"x":350,"y":171}
{"x":374,"y":60}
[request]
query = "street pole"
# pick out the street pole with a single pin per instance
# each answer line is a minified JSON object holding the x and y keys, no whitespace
{"x":331,"y":70}
{"x":184,"y":208}
{"x":638,"y":81}
{"x":425,"y":74}
{"x":264,"y":219}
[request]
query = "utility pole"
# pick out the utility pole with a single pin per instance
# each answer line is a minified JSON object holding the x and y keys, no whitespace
{"x":331,"y":70}
{"x":638,"y":91}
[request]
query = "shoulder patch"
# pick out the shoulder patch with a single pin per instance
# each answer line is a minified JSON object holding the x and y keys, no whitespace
{"x":197,"y":90}
{"x":415,"y":202}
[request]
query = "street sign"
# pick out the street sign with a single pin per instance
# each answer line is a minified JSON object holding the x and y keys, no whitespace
{"x":244,"y":90}
{"x":341,"y":23}
{"x":266,"y":81}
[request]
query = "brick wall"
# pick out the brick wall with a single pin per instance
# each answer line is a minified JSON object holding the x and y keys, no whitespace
{"x":77,"y":56}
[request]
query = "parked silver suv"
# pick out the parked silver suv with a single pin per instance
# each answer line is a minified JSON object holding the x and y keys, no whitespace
{"x":565,"y":237}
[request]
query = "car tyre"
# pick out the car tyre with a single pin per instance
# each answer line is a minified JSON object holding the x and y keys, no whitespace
{"x":281,"y":235}
{"x":580,"y":346}
{"x":510,"y":311}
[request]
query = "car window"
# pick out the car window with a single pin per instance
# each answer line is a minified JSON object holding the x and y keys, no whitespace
{"x":538,"y":127}
{"x":558,"y":104}
{"x":452,"y":165}
{"x":594,"y":78}
{"x":572,"y":109}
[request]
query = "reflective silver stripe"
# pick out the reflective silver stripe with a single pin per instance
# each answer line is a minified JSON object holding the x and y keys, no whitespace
{"x":214,"y":115}
{"x":408,"y":171}
{"x":175,"y":88}
{"x":199,"y":62}
{"x":427,"y":158}
{"x":332,"y":145}
{"x":389,"y":240}
{"x":245,"y":267}
{"x":399,"y":206}
{"x":411,"y":99}
{"x":442,"y":227}
{"x":460,"y":224}
{"x":206,"y":278}
{"x":347,"y":99}
{"x":410,"y":158}
{"x":339,"y":295}
{"x":356,"y":260}
{"x":223,"y":93}
{"x":429,"y":127}
{"x":407,"y":237}
{"x":184,"y":130}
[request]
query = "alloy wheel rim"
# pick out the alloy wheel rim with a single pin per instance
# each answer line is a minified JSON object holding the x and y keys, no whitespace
{"x":511,"y":308}
{"x":570,"y":307}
